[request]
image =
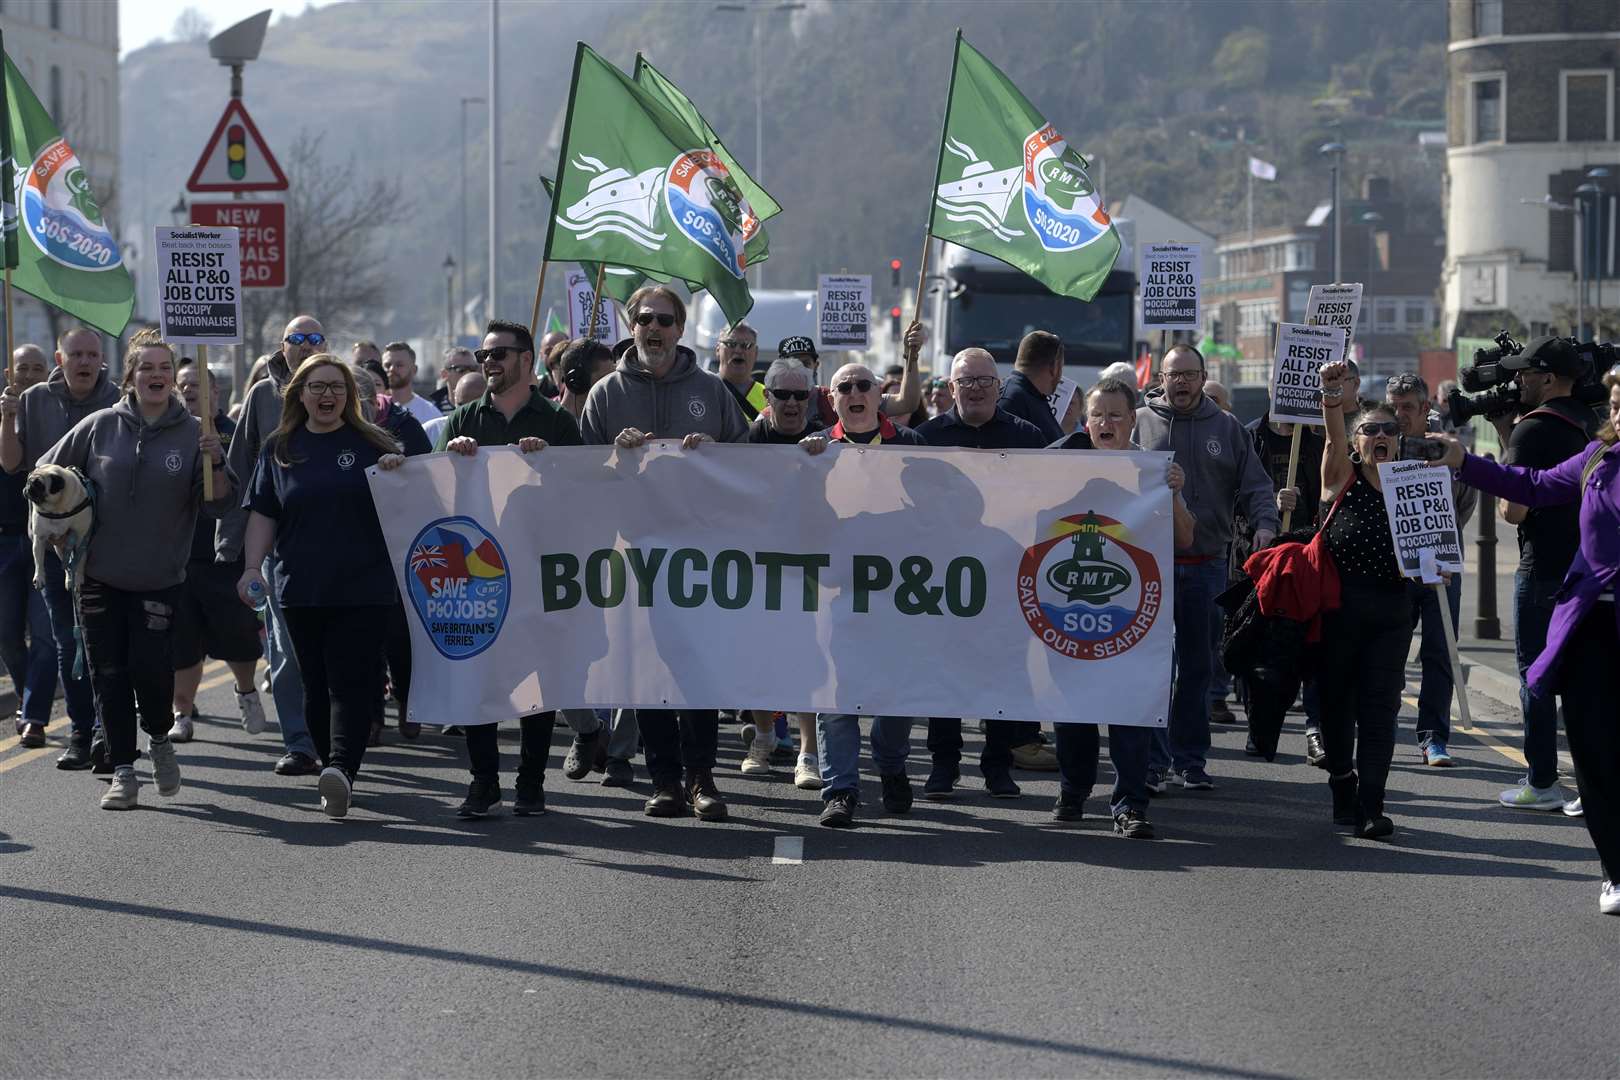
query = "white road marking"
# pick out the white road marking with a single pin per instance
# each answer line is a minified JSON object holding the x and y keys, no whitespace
{"x":789,"y":851}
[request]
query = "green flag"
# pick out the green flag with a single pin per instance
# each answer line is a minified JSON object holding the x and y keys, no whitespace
{"x":650,"y":78}
{"x":1009,"y":186}
{"x":70,"y":258}
{"x":638,"y":188}
{"x":619,"y":282}
{"x":554,"y":323}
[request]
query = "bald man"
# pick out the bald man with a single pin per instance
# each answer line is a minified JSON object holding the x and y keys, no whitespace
{"x":1219,"y":394}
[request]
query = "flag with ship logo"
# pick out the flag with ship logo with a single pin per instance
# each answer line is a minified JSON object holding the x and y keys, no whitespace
{"x":1010,"y":186}
{"x":638,"y":188}
{"x":619,"y":282}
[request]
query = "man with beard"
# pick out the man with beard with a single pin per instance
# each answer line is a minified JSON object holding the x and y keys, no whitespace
{"x":458,"y":364}
{"x":261,"y":415}
{"x":658,"y":391}
{"x":26,"y":644}
{"x":512,"y":412}
{"x":399,"y":366}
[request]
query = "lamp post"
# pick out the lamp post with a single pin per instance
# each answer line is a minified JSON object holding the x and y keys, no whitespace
{"x":178,"y":211}
{"x":1583,"y":221}
{"x":449,"y":301}
{"x":1596,"y":176}
{"x":492,"y":301}
{"x":1335,"y":152}
{"x":1549,"y":203}
{"x":759,"y":11}
{"x":1371,"y":219}
{"x":461,"y":290}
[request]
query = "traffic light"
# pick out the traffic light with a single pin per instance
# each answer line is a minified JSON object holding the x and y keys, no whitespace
{"x":894,"y":322}
{"x":894,"y":272}
{"x":236,"y":151}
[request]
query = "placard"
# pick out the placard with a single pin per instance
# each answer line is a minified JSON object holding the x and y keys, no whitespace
{"x":844,"y":310}
{"x":1422,"y":517}
{"x":581,"y":306}
{"x":1296,"y":373}
{"x":1169,"y":276}
{"x":1335,"y":305}
{"x":199,"y":284}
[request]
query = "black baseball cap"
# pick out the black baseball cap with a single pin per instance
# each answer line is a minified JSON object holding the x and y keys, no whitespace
{"x":799,"y":345}
{"x":1554,"y":355}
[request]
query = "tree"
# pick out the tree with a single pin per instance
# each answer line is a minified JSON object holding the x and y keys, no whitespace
{"x":192,"y":27}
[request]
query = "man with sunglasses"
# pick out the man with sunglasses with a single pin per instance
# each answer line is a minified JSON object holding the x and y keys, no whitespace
{"x":658,"y":391}
{"x":789,"y":389}
{"x":261,"y":414}
{"x":734,"y":358}
{"x":458,"y":362}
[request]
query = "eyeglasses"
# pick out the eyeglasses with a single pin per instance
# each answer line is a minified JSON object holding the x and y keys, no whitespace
{"x":789,"y":395}
{"x":497,"y":354}
{"x":1184,"y":376}
{"x":305,"y":339}
{"x":980,"y":382}
{"x":733,"y":343}
{"x":1378,"y":427}
{"x":321,"y":389}
{"x":645,"y":318}
{"x":860,"y":386}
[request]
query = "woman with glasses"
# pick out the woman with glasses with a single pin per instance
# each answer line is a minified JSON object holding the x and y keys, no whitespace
{"x":1362,"y":660}
{"x":311,"y":504}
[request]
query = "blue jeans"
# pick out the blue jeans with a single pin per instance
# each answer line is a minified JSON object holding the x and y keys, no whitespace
{"x":839,"y":739}
{"x":1128,"y":749}
{"x":1532,"y":611}
{"x":26,"y":645}
{"x":286,"y":687}
{"x":1434,"y":695}
{"x":81,"y":701}
{"x":1184,"y":744}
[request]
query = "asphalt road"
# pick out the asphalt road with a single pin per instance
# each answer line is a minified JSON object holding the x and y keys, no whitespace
{"x":233,"y":931}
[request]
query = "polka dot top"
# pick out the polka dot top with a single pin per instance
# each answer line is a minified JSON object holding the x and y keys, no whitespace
{"x":1358,"y":536}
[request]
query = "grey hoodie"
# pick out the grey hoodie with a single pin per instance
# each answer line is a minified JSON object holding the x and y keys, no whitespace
{"x":261,"y":414}
{"x":684,"y":401}
{"x":1222,"y":469}
{"x":148,"y":478}
{"x":49,"y":411}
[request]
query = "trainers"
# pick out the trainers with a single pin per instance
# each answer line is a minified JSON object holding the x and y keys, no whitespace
{"x":941,"y":783}
{"x":668,"y":800}
{"x":32,"y":736}
{"x":896,"y":792}
{"x":839,"y":810}
{"x":757,"y":762}
{"x":1526,"y":797}
{"x":251,"y":711}
{"x":704,"y":796}
{"x":1133,"y":825}
{"x":999,"y":783}
{"x":1035,"y":756}
{"x":1221,"y":713}
{"x":1068,"y":808}
{"x":1376,"y":828}
{"x":100,"y":758}
{"x":1194,"y":780}
{"x":335,"y":790}
{"x":77,"y":754}
{"x":1155,"y":782}
{"x":581,"y":756}
{"x":531,"y":798}
{"x":121,"y":795}
{"x":482,"y":797}
{"x":1435,"y":754}
{"x":807,"y":773}
{"x":1608,"y":898}
{"x":618,"y":773}
{"x":1315,"y":751}
{"x":165,"y":769}
{"x":1573,"y":808}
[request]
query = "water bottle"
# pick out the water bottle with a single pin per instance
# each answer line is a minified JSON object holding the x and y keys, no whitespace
{"x":256,"y":595}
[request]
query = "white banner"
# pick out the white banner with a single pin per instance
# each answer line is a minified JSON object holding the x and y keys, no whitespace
{"x":844,"y":311}
{"x":1022,"y":584}
{"x":1296,"y":371}
{"x":1170,"y":276}
{"x":1335,"y":305}
{"x":200,"y":281}
{"x":1422,"y":518}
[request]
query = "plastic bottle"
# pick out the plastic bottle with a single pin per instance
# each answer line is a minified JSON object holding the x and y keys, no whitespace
{"x":256,"y":594}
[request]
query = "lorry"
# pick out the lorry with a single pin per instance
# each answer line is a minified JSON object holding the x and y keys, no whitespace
{"x":777,"y":314}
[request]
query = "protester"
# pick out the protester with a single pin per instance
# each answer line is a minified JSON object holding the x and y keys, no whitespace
{"x":583,"y":363}
{"x":458,"y":364}
{"x":365,"y":355}
{"x":26,"y":645}
{"x":1408,"y":395}
{"x":548,"y":354}
{"x":261,"y":414}
{"x":31,"y":422}
{"x":399,"y":365}
{"x":468,"y":388}
{"x":1036,"y":372}
{"x":208,"y":618}
{"x":1219,"y":394}
{"x":658,"y":391}
{"x":512,"y":412}
{"x":902,"y":403}
{"x":145,"y":456}
{"x":1222,"y":470}
{"x":380,"y":409}
{"x":1361,"y":668}
{"x":939,"y":398}
{"x":311,"y":504}
{"x":735,"y":356}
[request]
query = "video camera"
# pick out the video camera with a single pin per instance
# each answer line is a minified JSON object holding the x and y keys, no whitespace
{"x":1494,"y":393}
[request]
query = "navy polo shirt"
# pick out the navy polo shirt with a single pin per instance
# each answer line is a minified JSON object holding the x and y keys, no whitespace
{"x":1003,"y":431}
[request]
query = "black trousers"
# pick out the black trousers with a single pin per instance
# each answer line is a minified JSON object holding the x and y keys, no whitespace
{"x":397,"y":651}
{"x":1586,"y":685}
{"x":674,"y":738}
{"x":534,"y":748}
{"x":1000,"y":736}
{"x":126,"y":641}
{"x":339,"y":651}
{"x":1362,"y":672}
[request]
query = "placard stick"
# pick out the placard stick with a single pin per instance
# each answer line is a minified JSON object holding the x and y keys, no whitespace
{"x":205,"y":400}
{"x":539,"y":288}
{"x":1456,"y":659}
{"x":11,"y":374}
{"x":596,"y":302}
{"x":1293,"y":469}
{"x":922,"y":271}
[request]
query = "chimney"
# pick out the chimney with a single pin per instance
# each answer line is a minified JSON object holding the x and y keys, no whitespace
{"x":1375,"y":189}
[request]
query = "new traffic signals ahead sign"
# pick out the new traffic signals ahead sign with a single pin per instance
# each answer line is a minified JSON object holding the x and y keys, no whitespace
{"x":263,"y":228}
{"x":236,"y":157}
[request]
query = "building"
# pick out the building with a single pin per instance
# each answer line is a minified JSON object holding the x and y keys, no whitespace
{"x":1531,"y":104}
{"x":68,"y":52}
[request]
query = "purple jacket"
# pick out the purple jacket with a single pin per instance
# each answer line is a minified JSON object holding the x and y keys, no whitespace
{"x":1596,"y":564}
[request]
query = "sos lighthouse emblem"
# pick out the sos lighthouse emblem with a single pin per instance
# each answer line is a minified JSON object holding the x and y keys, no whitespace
{"x":1087,"y":592}
{"x":705,"y":203}
{"x":60,"y":213}
{"x":460,"y":586}
{"x":1059,"y":199}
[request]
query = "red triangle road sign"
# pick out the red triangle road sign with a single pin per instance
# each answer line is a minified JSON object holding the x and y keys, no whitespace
{"x":236,"y":157}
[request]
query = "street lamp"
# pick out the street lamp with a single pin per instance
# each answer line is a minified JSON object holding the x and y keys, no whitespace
{"x":1372,"y":219}
{"x":1596,"y":175}
{"x":1583,"y":219}
{"x":462,"y":289}
{"x":759,"y":11}
{"x":1335,"y":151}
{"x":1550,"y":203}
{"x":449,"y":300}
{"x":178,"y":210}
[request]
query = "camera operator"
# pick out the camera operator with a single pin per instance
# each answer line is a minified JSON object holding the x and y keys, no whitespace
{"x":1553,"y":426}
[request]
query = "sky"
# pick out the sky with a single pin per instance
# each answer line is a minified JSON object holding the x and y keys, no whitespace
{"x":140,"y":22}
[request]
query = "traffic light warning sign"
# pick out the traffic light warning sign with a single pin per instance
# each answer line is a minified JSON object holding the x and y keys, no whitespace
{"x":236,"y":157}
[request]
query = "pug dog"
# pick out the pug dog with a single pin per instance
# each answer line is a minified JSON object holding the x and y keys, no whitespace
{"x":59,"y":512}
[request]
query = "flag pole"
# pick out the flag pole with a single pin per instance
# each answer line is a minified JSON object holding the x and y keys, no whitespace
{"x":562,"y":163}
{"x":596,"y":299}
{"x":11,"y":364}
{"x":539,"y":290}
{"x":205,"y":402}
{"x":939,"y":163}
{"x":1293,"y":469}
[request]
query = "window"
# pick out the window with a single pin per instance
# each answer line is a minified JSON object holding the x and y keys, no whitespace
{"x":1417,"y":315}
{"x":56,"y":14}
{"x":1586,"y":106}
{"x":1487,"y":18}
{"x":1255,"y":317}
{"x":1386,"y":314}
{"x":1485,"y":110}
{"x":56,"y":94}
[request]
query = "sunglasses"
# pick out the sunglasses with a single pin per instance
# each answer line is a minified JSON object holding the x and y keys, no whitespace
{"x":733,"y":343}
{"x":305,"y":339}
{"x":460,"y":369}
{"x":497,"y":354}
{"x":789,"y":395}
{"x":646,"y":318}
{"x":1377,"y":427}
{"x":860,"y":386}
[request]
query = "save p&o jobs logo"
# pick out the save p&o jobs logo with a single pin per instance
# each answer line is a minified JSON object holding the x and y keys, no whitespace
{"x":1059,"y":199}
{"x":705,"y":203}
{"x":459,"y":585}
{"x":60,"y":213}
{"x":1087,"y":592}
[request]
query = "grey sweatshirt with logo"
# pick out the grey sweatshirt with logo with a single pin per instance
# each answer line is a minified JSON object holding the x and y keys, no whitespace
{"x":260,"y":415}
{"x":148,"y":477}
{"x":48,"y":412}
{"x":686,"y":400}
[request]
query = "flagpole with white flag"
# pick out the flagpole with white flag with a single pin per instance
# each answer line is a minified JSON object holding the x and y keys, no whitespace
{"x":1265,"y":171}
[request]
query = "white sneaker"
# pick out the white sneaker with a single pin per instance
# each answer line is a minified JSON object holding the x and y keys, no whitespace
{"x":248,"y":704}
{"x":758,"y":761}
{"x":1608,"y":898}
{"x":122,"y":793}
{"x":335,"y":790}
{"x":1573,"y":808}
{"x":807,"y":774}
{"x":1526,"y":797}
{"x":182,"y":729}
{"x":165,"y":769}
